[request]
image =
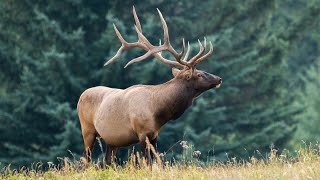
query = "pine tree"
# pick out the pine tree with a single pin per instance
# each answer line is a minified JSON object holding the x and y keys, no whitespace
{"x":307,"y":131}
{"x":46,"y":61}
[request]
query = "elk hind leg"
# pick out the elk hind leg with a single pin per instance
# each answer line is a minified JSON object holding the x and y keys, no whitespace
{"x":89,"y":138}
{"x":110,"y":155}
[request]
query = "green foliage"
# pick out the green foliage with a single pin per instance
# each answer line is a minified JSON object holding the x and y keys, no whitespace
{"x":51,"y":51}
{"x":310,"y":117}
{"x":49,"y":60}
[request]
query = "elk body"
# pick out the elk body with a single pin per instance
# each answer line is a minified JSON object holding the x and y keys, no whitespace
{"x":122,"y":117}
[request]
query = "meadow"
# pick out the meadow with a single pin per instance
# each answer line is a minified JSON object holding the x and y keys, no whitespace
{"x":304,"y":165}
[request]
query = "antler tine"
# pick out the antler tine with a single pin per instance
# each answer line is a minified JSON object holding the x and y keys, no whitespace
{"x":167,"y":41}
{"x":165,"y":28}
{"x":201,"y":51}
{"x":119,"y":35}
{"x":136,"y":19}
{"x":187,"y":53}
{"x":145,"y":56}
{"x":124,"y":45}
{"x":183,"y":48}
{"x":206,"y":55}
{"x":183,"y":62}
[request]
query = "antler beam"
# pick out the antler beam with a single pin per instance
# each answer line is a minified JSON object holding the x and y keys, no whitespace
{"x":144,"y":44}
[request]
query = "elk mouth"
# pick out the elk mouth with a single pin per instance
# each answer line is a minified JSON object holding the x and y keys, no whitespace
{"x":219,"y":83}
{"x":215,"y":86}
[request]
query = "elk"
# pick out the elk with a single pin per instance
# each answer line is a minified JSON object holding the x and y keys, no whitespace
{"x":122,"y":117}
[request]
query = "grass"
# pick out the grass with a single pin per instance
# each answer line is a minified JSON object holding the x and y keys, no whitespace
{"x":305,"y":165}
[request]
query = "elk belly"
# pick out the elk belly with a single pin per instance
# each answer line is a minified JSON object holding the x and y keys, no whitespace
{"x":118,"y":137}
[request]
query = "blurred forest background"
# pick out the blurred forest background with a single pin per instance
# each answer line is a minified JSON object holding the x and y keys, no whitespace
{"x":267,"y":52}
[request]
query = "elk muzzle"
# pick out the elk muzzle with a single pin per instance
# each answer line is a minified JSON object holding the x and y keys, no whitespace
{"x":216,"y":81}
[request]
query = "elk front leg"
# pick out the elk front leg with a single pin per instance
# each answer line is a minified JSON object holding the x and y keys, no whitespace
{"x":89,"y":138}
{"x":154,"y":144}
{"x":145,"y":149}
{"x":111,"y":152}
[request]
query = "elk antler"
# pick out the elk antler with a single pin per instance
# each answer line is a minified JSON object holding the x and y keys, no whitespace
{"x":144,"y":44}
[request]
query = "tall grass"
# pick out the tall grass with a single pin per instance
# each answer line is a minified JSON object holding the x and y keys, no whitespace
{"x":305,"y":164}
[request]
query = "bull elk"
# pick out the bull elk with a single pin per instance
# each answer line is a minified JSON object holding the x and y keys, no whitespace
{"x":122,"y":117}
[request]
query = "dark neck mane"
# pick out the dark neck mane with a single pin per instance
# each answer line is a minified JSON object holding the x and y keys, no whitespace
{"x":173,"y":98}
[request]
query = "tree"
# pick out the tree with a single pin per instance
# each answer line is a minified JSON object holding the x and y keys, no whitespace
{"x":310,"y":118}
{"x":45,"y":60}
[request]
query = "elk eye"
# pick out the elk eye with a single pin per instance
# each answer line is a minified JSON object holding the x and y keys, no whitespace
{"x":199,"y":75}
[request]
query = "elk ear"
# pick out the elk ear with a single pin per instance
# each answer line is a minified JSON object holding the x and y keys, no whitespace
{"x":175,"y":72}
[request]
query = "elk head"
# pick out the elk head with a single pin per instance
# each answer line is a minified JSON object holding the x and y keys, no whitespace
{"x":199,"y":80}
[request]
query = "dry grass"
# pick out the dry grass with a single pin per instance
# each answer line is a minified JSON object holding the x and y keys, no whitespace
{"x":306,"y":165}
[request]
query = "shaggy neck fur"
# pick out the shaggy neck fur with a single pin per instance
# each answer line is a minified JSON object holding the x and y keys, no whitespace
{"x":173,"y":98}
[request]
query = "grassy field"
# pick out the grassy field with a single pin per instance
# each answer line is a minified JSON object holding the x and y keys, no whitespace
{"x":305,"y":165}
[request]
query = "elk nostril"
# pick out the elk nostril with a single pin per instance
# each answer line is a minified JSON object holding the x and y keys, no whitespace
{"x":220,"y":80}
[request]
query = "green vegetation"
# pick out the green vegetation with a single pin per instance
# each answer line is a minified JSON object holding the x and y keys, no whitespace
{"x":267,"y":53}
